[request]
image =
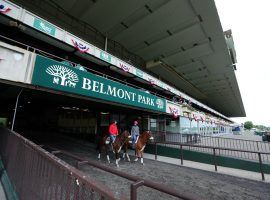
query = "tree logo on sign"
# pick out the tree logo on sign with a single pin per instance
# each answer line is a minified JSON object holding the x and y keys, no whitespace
{"x":45,"y":28}
{"x":63,"y":75}
{"x":159,"y":103}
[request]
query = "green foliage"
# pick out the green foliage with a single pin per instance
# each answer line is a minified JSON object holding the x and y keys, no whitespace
{"x":261,"y":127}
{"x":248,"y":125}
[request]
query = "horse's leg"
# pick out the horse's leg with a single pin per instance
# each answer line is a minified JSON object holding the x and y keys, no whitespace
{"x":137,"y":155}
{"x":99,"y":152}
{"x":124,"y":154}
{"x":142,"y":158}
{"x":107,"y":154}
{"x":98,"y":148}
{"x":128,"y":157}
{"x":125,"y":150}
{"x":117,"y":159}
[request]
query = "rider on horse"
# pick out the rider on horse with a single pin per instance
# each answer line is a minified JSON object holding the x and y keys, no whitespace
{"x":135,"y":132}
{"x":113,"y":131}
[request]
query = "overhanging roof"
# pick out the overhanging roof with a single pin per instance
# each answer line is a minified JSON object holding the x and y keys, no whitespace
{"x":181,"y":41}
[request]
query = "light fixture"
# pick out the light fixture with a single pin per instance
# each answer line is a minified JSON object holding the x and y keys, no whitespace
{"x":104,"y":113}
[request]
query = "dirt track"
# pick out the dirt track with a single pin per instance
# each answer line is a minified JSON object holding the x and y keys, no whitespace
{"x":203,"y":184}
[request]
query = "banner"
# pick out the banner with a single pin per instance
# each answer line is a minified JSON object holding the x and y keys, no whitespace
{"x":44,"y":26}
{"x":52,"y":74}
{"x":173,"y":109}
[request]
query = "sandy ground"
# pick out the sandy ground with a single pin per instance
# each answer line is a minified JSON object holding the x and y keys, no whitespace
{"x":203,"y":184}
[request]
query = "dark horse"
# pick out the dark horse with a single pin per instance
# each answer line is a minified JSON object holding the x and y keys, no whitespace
{"x":118,"y":144}
{"x":141,"y":143}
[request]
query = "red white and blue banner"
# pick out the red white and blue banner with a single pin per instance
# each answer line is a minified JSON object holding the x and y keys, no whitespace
{"x":173,"y":109}
{"x":80,"y":46}
{"x":4,"y":9}
{"x":202,"y":117}
{"x":151,"y":80}
{"x":196,"y":116}
{"x":124,"y":66}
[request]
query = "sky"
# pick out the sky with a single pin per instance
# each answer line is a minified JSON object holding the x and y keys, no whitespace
{"x":250,"y":24}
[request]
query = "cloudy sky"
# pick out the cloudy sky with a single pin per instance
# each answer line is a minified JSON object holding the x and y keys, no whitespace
{"x":250,"y":24}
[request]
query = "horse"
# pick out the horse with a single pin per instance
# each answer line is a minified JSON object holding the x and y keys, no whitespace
{"x":141,"y":143}
{"x":117,"y":145}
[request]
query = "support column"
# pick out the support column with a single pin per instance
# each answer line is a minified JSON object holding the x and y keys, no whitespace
{"x":106,"y":43}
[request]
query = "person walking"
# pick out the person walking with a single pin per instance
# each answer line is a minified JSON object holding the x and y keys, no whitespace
{"x":113,"y":131}
{"x":135,"y":132}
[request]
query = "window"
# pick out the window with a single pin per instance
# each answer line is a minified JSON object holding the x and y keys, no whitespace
{"x":184,"y":125}
{"x":194,"y":126}
{"x":172,"y":126}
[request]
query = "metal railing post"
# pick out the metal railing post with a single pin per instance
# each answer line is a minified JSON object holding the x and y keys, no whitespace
{"x":215,"y":161}
{"x":218,"y":146}
{"x":257,"y":146}
{"x":155,"y":151}
{"x":181,"y":154}
{"x":261,"y":167}
{"x":133,"y":189}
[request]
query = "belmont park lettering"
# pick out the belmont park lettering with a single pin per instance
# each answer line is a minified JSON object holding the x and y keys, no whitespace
{"x":59,"y":76}
{"x":99,"y":87}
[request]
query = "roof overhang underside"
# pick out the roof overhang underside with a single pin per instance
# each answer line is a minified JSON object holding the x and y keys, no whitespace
{"x":181,"y":41}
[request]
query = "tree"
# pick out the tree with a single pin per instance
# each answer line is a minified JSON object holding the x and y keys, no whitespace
{"x":63,"y":73}
{"x":260,"y":127}
{"x":248,"y":125}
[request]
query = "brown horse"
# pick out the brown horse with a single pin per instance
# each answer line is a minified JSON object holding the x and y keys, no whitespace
{"x":141,"y":143}
{"x":117,"y":145}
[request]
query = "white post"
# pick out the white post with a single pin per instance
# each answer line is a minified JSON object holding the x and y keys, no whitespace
{"x":15,"y":110}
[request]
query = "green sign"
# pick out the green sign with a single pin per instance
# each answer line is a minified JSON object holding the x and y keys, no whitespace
{"x":139,"y":73}
{"x":106,"y":57}
{"x":44,"y":26}
{"x":52,"y":74}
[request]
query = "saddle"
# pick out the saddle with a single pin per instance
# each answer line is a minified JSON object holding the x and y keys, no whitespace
{"x":135,"y":141}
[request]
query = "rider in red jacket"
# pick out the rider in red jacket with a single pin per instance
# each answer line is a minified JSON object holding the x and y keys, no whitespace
{"x":113,"y":131}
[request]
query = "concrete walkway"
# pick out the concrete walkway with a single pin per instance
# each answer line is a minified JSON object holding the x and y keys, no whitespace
{"x":222,"y":170}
